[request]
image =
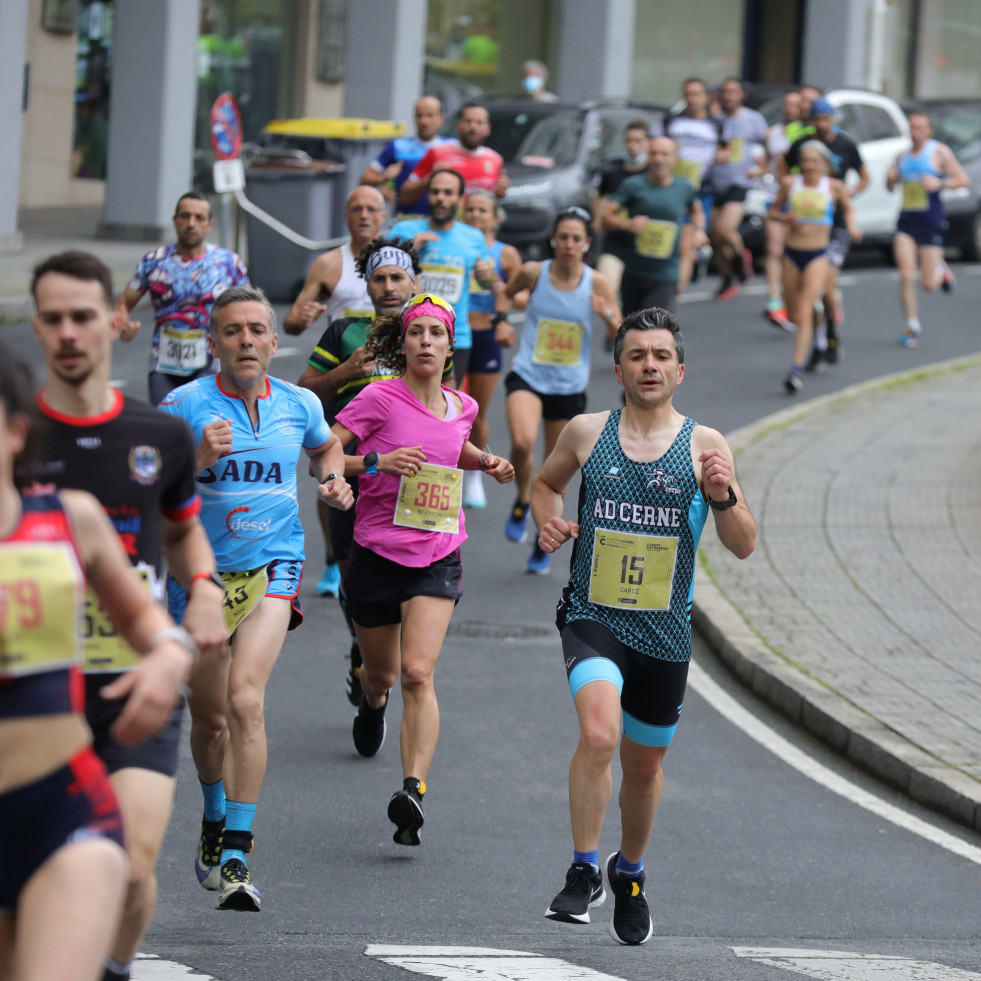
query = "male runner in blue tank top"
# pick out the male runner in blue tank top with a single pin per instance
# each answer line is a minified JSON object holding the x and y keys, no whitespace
{"x":649,"y":477}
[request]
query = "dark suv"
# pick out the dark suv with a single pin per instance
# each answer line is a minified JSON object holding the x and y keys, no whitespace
{"x":554,"y":153}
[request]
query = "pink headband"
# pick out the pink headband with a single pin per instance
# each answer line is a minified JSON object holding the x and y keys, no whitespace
{"x":428,"y":309}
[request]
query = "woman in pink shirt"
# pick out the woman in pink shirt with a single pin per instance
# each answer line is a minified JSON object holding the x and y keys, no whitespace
{"x":403,"y":580}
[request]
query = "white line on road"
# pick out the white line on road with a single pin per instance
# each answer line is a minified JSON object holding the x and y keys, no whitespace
{"x":728,"y":707}
{"x":840,"y":965}
{"x":148,"y":967}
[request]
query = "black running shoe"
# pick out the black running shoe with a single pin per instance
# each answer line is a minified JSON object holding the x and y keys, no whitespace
{"x":237,"y":891}
{"x":405,"y":812}
{"x":816,"y":363}
{"x":583,"y":890}
{"x":354,"y":675}
{"x":369,"y":728}
{"x":631,"y":924}
{"x":207,"y":860}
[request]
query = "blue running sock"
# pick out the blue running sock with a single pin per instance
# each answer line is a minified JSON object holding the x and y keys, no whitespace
{"x":591,"y":857}
{"x":214,"y":800}
{"x":238,"y":817}
{"x":629,"y":870}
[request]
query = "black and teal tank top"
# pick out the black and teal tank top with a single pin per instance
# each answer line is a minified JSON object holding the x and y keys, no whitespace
{"x":633,"y":564}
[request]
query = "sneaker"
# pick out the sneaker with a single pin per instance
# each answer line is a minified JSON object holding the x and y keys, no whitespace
{"x":816,"y":363}
{"x":631,"y":924}
{"x":910,"y":338}
{"x":237,"y":891}
{"x":516,"y":527}
{"x":539,"y":562}
{"x":779,"y":318}
{"x":948,"y":282}
{"x":727,"y":290}
{"x":207,"y":859}
{"x":473,"y":489}
{"x":330,"y":581}
{"x":405,"y":812}
{"x":369,"y":728}
{"x":747,"y":271}
{"x":354,"y":691}
{"x":583,"y":890}
{"x":833,"y":354}
{"x":793,"y":383}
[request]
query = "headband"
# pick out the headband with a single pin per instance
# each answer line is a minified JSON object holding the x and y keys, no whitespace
{"x":388,"y":255}
{"x":429,"y":309}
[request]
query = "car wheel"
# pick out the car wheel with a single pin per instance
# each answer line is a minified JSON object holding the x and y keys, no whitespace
{"x":972,"y":247}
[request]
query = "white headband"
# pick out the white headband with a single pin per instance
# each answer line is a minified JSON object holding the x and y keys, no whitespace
{"x":388,"y":256}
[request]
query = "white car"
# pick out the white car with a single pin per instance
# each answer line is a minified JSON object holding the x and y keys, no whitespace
{"x":880,"y":129}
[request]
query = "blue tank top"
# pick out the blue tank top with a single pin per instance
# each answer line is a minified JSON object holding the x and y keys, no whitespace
{"x":633,"y":564}
{"x":248,"y":498}
{"x":917,"y":201}
{"x":812,"y":205}
{"x":553,"y":355}
{"x":481,"y":300}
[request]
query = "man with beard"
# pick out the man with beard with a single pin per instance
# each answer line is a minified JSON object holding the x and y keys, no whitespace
{"x":450,"y":253}
{"x":183,"y":278}
{"x":479,"y":165}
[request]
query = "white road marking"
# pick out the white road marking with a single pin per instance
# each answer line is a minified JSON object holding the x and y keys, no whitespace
{"x":148,"y":967}
{"x":285,"y":352}
{"x":728,"y":707}
{"x":483,"y":963}
{"x":840,"y":965}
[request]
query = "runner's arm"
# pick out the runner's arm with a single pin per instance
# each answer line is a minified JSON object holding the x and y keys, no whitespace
{"x":322,"y":278}
{"x":735,"y":526}
{"x":120,"y":315}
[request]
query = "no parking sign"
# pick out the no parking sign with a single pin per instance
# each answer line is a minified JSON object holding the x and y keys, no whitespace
{"x":226,"y":127}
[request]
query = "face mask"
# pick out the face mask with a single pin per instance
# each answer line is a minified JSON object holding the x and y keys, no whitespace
{"x":638,"y":160}
{"x":531,"y":83}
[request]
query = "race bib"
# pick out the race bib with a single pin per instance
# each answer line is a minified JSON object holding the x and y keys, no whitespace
{"x":656,"y":239}
{"x":559,"y":342}
{"x":360,"y":314}
{"x":243,"y":590}
{"x":40,"y":601}
{"x":444,"y":281}
{"x":105,"y":650}
{"x":182,"y":352}
{"x":431,"y":500}
{"x":809,"y":205}
{"x":737,"y":148}
{"x":914,"y":197}
{"x":632,"y":572}
{"x":691,"y":170}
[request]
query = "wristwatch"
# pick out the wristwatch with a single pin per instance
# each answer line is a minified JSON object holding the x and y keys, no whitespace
{"x":729,"y":502}
{"x":370,"y":462}
{"x":497,"y":317}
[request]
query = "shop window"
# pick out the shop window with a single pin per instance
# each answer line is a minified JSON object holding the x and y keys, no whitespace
{"x":93,"y":76}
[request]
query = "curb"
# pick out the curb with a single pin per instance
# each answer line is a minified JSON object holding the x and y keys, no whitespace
{"x":838,"y":722}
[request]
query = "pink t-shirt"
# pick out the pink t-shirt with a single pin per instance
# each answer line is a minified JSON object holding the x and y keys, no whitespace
{"x":385,"y":417}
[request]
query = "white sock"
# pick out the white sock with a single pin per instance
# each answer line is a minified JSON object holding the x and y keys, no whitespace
{"x":821,"y":337}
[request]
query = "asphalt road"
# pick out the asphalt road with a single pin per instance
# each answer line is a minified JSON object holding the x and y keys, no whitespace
{"x":750,"y":861}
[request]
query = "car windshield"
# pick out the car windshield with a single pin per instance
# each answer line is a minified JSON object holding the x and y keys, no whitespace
{"x":509,"y":127}
{"x":552,"y":142}
{"x":959,"y":127}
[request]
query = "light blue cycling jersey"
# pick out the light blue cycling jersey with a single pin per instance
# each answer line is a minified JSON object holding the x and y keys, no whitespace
{"x":447,"y":266}
{"x":248,"y":498}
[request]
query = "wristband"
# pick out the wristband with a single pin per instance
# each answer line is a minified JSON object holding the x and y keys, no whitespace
{"x":498,"y":317}
{"x":328,"y":478}
{"x":180,"y":636}
{"x":213,"y":576}
{"x":484,"y":463}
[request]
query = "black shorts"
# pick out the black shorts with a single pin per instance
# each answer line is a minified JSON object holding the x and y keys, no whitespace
{"x":377,"y":587}
{"x":486,"y":357}
{"x":461,"y":365}
{"x":158,"y":753}
{"x":922,"y":230}
{"x":341,"y":524}
{"x":733,"y":194}
{"x":642,"y":294}
{"x":652,"y":691}
{"x":159,"y":385}
{"x":554,"y":407}
{"x":73,"y":803}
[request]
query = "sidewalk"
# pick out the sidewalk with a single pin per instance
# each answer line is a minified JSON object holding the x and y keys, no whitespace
{"x":859,"y":614}
{"x":48,"y":230}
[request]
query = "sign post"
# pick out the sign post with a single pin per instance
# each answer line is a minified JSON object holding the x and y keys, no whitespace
{"x":228,"y":173}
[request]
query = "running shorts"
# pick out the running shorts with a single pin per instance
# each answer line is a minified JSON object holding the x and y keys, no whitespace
{"x":554,"y":407}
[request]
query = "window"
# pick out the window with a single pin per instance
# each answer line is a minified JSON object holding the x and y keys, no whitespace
{"x":847,"y":118}
{"x":879,"y":124}
{"x":331,"y":40}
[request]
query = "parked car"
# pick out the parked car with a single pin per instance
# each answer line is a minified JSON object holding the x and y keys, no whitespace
{"x":555,"y":153}
{"x":879,"y":127}
{"x":957,"y":122}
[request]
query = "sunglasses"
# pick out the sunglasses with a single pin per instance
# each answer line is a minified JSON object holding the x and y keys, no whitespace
{"x":438,"y":301}
{"x":574,"y":212}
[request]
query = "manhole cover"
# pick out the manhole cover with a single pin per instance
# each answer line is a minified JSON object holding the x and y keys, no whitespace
{"x":497,"y":630}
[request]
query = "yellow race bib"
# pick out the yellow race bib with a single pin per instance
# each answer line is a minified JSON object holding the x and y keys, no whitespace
{"x":105,"y":650}
{"x":656,"y":239}
{"x":809,"y":205}
{"x":182,"y":352}
{"x":914,"y":197}
{"x":431,"y":500}
{"x":737,"y":149}
{"x":40,"y":605}
{"x":443,"y":280}
{"x":559,"y":342}
{"x":632,"y":572}
{"x":243,"y":590}
{"x":691,"y":170}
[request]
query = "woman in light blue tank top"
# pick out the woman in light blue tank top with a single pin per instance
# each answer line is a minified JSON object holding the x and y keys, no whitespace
{"x":550,"y":372}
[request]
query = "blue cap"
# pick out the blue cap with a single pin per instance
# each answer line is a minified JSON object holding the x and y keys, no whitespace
{"x":821,"y":107}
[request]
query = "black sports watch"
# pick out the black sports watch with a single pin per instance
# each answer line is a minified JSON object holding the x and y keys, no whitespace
{"x":498,"y":317}
{"x":370,"y":462}
{"x":729,"y":502}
